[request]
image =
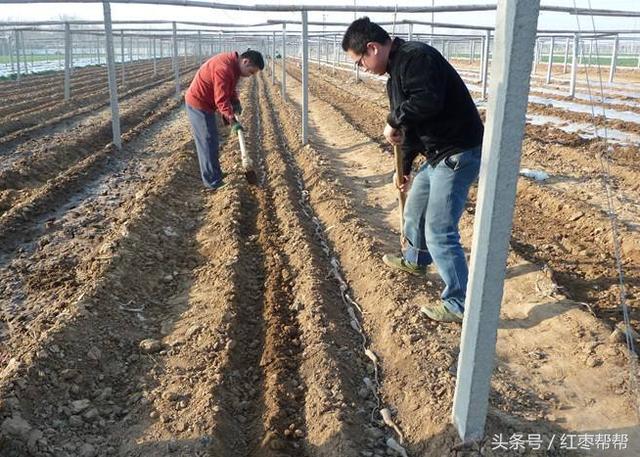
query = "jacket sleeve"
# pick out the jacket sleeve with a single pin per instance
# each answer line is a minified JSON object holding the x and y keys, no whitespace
{"x":223,"y":92}
{"x":423,"y":84}
{"x":411,"y":147}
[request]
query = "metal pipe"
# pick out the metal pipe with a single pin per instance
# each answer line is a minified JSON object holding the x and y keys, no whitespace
{"x":566,"y":55}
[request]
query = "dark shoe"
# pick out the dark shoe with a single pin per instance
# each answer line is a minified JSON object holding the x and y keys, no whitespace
{"x":440,"y":313}
{"x":399,"y":263}
{"x":220,"y":184}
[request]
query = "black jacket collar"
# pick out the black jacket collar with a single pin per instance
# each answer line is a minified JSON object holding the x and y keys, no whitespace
{"x":395,"y":44}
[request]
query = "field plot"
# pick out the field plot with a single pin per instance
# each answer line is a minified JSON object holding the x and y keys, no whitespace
{"x":141,"y":315}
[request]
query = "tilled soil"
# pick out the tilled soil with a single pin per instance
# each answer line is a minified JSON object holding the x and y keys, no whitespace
{"x":142,"y":315}
{"x":562,"y":223}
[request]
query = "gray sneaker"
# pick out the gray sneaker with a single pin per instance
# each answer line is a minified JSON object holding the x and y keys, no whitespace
{"x":440,"y":313}
{"x":399,"y":263}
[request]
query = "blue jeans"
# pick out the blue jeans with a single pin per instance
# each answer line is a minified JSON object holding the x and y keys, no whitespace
{"x":432,"y":212}
{"x":205,"y":134}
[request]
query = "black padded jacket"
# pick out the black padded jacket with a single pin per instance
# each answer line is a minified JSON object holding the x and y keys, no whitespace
{"x":430,"y":103}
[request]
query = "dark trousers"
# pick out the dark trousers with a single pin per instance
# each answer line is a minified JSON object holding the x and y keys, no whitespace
{"x":205,"y":134}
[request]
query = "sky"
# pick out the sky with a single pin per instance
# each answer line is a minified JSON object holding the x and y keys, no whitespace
{"x":547,"y":20}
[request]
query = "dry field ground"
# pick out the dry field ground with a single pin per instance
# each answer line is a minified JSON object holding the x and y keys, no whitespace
{"x":143,"y":316}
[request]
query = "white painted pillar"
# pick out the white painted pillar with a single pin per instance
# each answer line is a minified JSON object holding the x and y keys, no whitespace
{"x":155,"y":63}
{"x":335,"y":52}
{"x":516,"y":22}
{"x":98,"y":49}
{"x":284,"y":63}
{"x":305,"y":78}
{"x":273,"y":60}
{"x":574,"y":64}
{"x":550,"y":63}
{"x":485,"y":63}
{"x":122,"y":56}
{"x":482,"y":48}
{"x":472,"y":51}
{"x":24,"y":53}
{"x":319,"y":48}
{"x":566,"y":55}
{"x":199,"y":48}
{"x":185,"y":50}
{"x":111,"y":74}
{"x":410,"y":32}
{"x":581,"y":53}
{"x":13,"y":66}
{"x":17,"y":35}
{"x":176,"y":65}
{"x":67,"y":62}
{"x":536,"y":56}
{"x":614,"y":58}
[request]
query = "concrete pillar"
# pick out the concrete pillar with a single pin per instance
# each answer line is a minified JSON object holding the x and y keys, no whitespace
{"x":24,"y":53}
{"x":614,"y":58}
{"x":273,"y":60}
{"x":199,"y":48}
{"x":516,"y":22}
{"x":550,"y":63}
{"x":472,"y":51}
{"x":13,"y":66}
{"x":574,"y":64}
{"x":305,"y":78}
{"x":185,"y":50}
{"x":155,"y":64}
{"x":17,"y":36}
{"x":176,"y":65}
{"x":335,"y":52}
{"x":284,"y":62}
{"x":482,"y":48}
{"x":566,"y":55}
{"x":67,"y":62}
{"x":122,"y":56}
{"x":111,"y":73}
{"x":485,"y":63}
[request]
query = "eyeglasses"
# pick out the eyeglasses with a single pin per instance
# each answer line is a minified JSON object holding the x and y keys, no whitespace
{"x":359,"y":62}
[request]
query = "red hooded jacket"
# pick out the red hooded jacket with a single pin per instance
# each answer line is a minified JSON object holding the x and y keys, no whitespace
{"x":214,"y":86}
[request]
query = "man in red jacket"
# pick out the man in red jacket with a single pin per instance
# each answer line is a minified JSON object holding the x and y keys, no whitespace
{"x":214,"y":89}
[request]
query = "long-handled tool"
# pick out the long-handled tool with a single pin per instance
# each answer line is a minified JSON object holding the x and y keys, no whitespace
{"x":247,"y":161}
{"x":402,"y":197}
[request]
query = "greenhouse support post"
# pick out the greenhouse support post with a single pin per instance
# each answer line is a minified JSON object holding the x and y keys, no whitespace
{"x":550,"y":63}
{"x":111,"y":73}
{"x":515,"y":33}
{"x":67,"y":61}
{"x":305,"y":77}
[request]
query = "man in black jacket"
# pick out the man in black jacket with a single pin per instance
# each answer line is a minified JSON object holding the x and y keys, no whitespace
{"x":431,"y":114}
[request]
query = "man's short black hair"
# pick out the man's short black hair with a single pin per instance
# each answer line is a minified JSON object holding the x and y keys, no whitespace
{"x":254,"y":57}
{"x":363,"y":31}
